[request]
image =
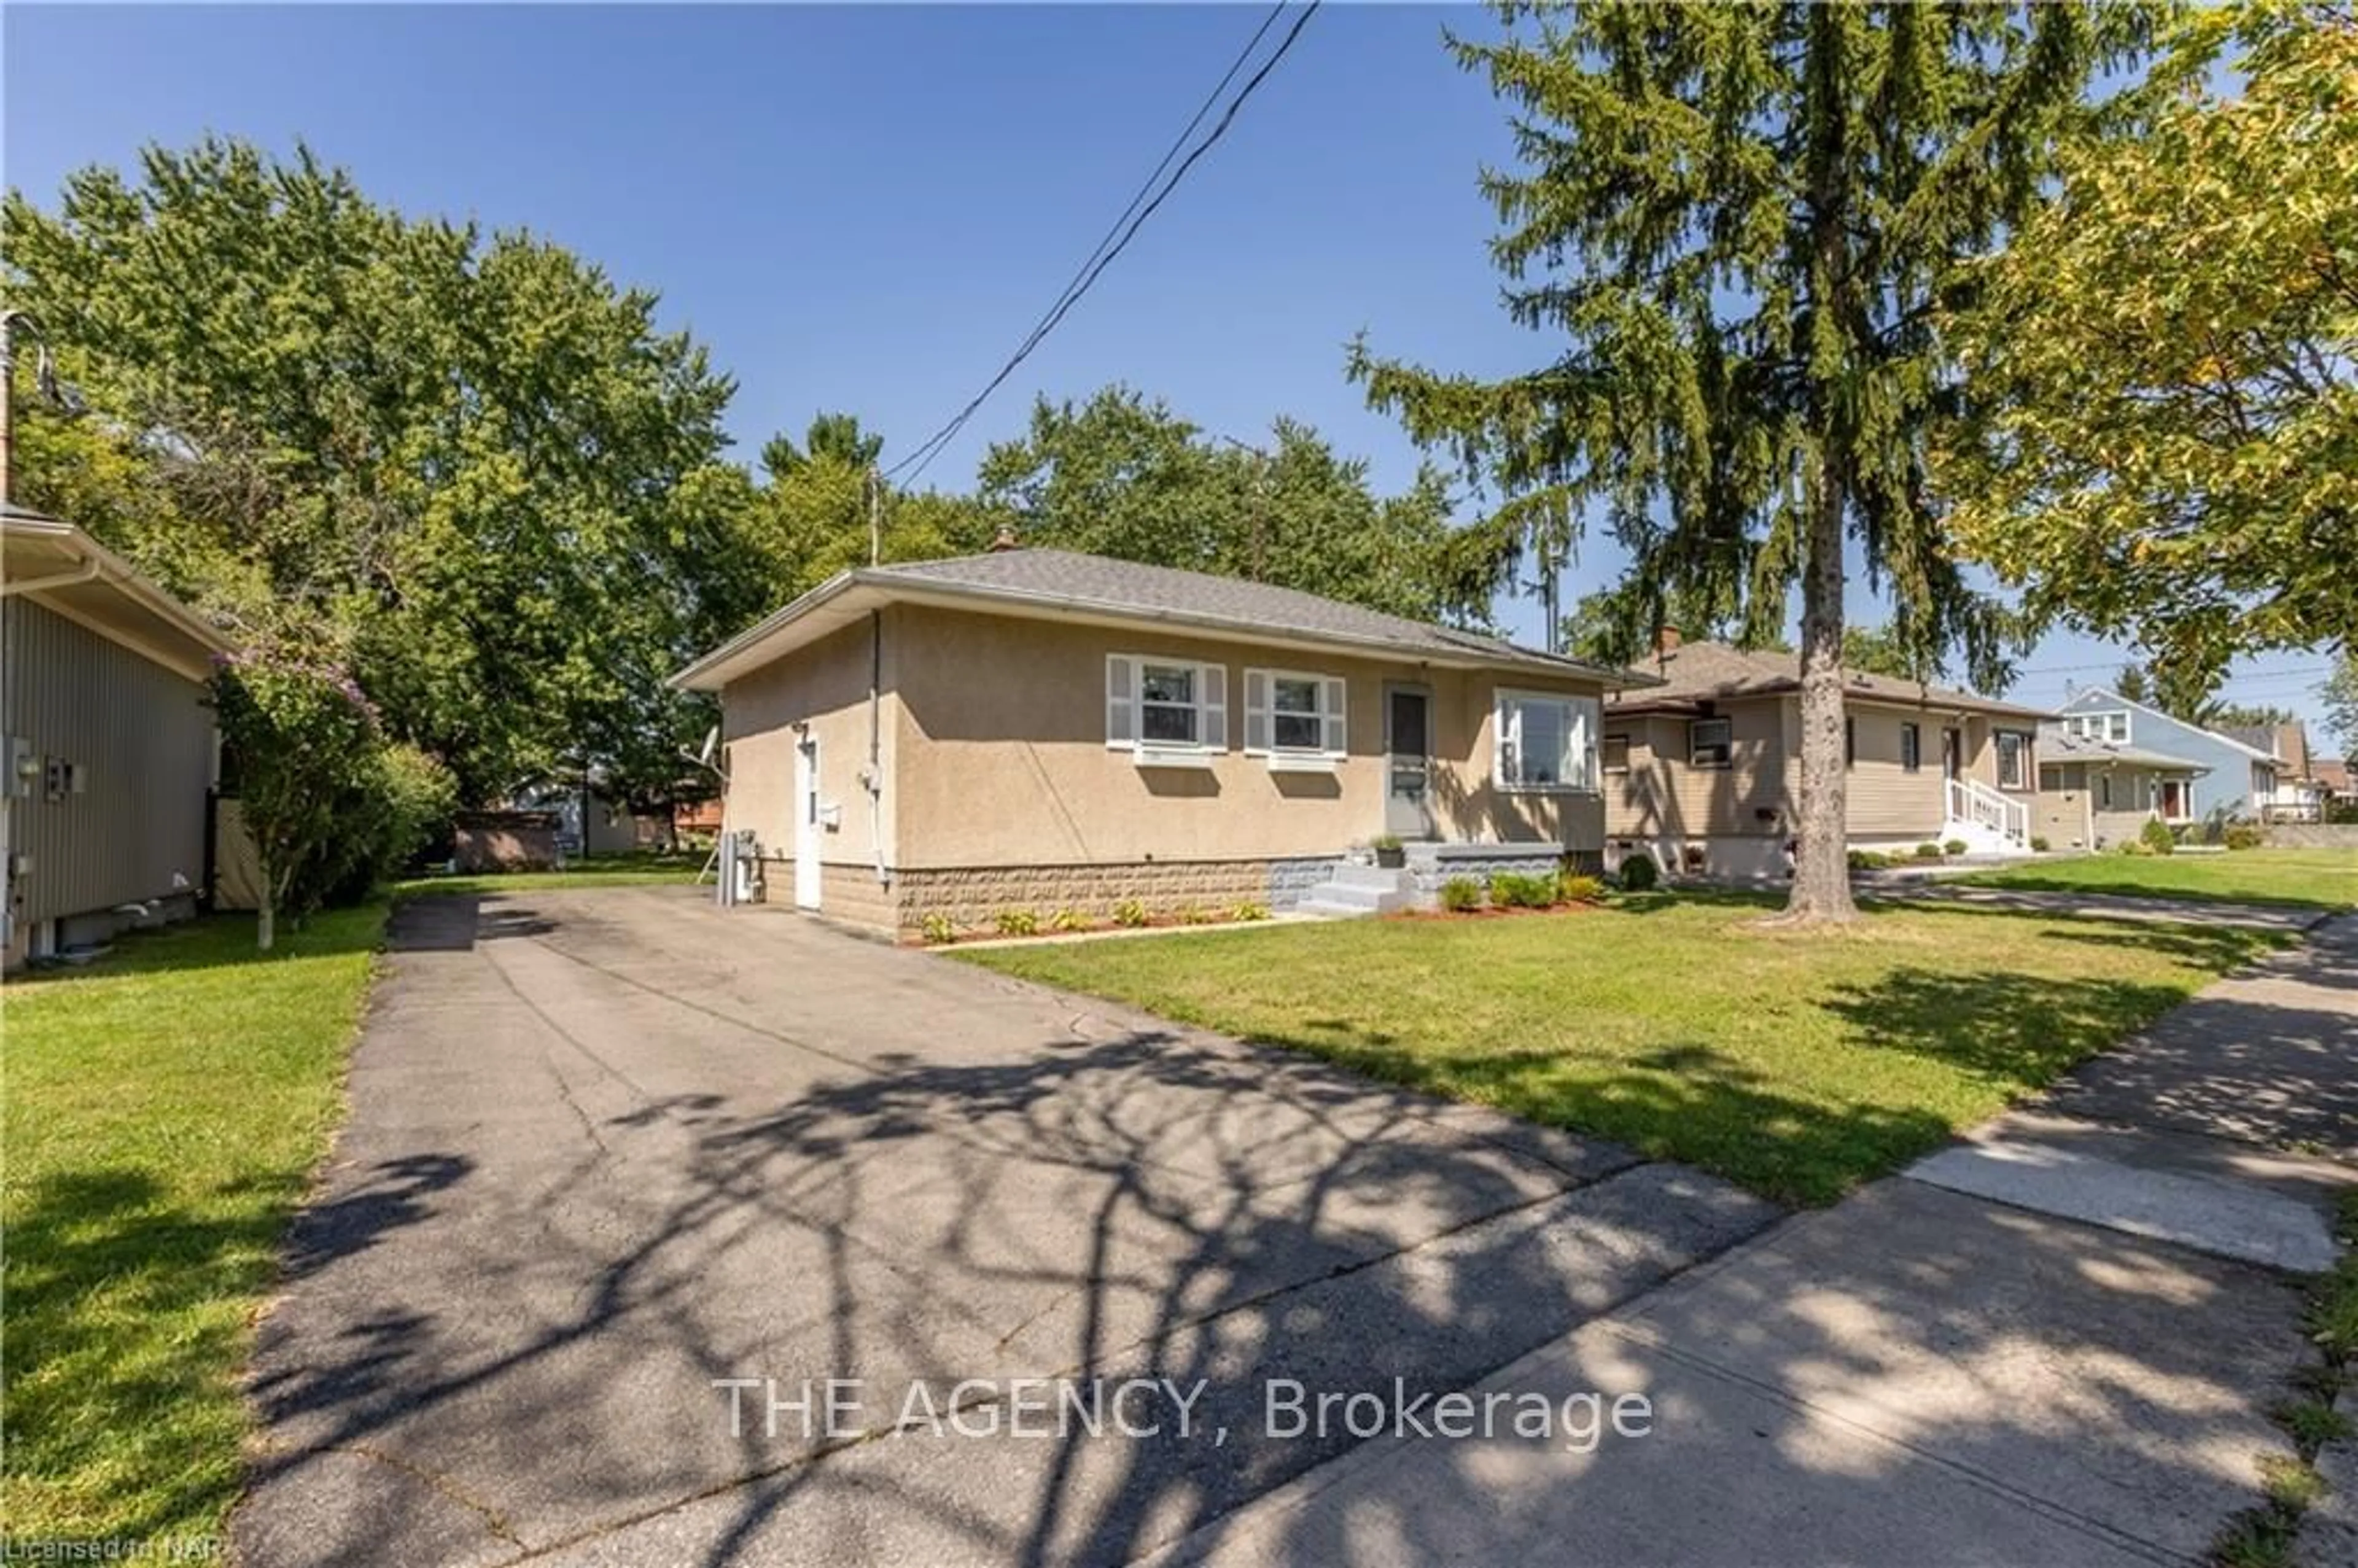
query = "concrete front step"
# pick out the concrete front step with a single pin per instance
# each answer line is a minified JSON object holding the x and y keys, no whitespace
{"x":1326,"y":908}
{"x":1360,"y":890}
{"x":1384,"y":878}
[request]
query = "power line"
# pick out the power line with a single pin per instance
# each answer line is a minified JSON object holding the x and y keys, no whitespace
{"x":1125,"y":228}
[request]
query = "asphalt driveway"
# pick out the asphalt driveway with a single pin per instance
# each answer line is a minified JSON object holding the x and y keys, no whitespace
{"x":619,"y":1161}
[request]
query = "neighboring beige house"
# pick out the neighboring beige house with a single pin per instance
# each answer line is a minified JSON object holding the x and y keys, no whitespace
{"x":2296,"y":794}
{"x":1701,"y":771}
{"x":2094,"y":793}
{"x":106,"y":739}
{"x":1040,"y":729}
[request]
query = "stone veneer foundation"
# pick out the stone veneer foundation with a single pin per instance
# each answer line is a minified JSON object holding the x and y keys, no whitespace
{"x":971,"y":897}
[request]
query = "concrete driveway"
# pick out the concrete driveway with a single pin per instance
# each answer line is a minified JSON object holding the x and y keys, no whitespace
{"x":610,"y":1149}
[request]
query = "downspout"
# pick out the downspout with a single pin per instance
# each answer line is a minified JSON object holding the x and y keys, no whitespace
{"x":876,"y":742}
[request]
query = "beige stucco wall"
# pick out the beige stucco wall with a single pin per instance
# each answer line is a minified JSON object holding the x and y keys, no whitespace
{"x":1002,"y":761}
{"x":827,"y":686}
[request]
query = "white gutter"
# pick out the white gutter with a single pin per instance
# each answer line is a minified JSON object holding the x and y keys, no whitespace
{"x":85,"y":572}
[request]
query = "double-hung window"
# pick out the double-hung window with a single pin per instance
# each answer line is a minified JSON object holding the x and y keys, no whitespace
{"x":1710,"y":742}
{"x":1912,"y":748}
{"x":1165,"y":710}
{"x":1296,"y":720}
{"x":1546,"y":741}
{"x":2013,"y":759}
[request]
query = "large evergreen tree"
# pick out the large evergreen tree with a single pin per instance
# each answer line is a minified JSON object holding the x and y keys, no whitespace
{"x":1737,"y":226}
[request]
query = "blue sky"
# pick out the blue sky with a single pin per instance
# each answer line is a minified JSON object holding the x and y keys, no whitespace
{"x":864,"y":208}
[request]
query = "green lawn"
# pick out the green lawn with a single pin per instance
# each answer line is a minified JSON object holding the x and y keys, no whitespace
{"x":2322,"y":879}
{"x":601,"y":871}
{"x":1797,"y":1065}
{"x":165,"y":1110}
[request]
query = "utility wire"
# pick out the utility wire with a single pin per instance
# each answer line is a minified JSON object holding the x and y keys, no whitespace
{"x":1125,"y":228}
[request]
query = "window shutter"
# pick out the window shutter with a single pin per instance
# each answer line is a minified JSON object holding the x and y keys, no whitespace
{"x":1332,"y":708}
{"x":1257,"y":722}
{"x":1216,"y":707}
{"x":1122,"y":701}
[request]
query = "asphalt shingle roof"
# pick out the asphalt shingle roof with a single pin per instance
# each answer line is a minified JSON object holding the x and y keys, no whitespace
{"x":1128,"y":587}
{"x":2056,"y":744}
{"x":1696,"y":672}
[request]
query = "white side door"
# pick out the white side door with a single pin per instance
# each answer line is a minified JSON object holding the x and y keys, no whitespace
{"x":806,"y":825}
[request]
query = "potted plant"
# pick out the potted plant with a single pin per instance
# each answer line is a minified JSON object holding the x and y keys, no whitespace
{"x":1388,"y":853}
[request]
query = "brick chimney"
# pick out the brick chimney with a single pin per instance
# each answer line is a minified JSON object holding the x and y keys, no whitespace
{"x":1006,"y":539}
{"x":1666,"y":641}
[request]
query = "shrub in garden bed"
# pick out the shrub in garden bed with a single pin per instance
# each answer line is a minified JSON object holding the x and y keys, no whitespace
{"x":1514,"y":890}
{"x":1576,"y":887}
{"x":1461,"y":895}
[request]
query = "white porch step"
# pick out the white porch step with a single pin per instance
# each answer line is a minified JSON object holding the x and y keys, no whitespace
{"x":1359,"y":889}
{"x":1319,"y":908}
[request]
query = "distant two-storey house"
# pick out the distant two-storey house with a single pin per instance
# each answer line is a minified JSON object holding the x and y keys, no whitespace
{"x":2299,"y":797}
{"x":2236,"y":780}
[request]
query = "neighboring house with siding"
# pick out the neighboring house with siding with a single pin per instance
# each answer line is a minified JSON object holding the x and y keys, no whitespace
{"x":108,"y":740}
{"x":1042,"y":729}
{"x":2237,"y":780}
{"x":1702,"y":770}
{"x":2299,"y":797}
{"x":2095,"y":793}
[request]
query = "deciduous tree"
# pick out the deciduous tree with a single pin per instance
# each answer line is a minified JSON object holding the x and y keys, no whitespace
{"x":462,"y":454}
{"x":1122,"y":474}
{"x":2166,"y":357}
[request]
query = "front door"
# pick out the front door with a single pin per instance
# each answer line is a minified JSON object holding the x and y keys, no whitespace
{"x":806,"y":825}
{"x":1408,"y":760}
{"x":1952,"y":754}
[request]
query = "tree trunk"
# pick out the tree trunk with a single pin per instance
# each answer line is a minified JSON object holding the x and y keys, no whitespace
{"x":1821,"y":857}
{"x":265,"y":922}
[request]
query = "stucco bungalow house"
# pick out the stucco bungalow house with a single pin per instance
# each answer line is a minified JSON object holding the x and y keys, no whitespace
{"x":106,"y":739}
{"x":1040,"y":729}
{"x":2095,"y":793}
{"x":1702,"y":770}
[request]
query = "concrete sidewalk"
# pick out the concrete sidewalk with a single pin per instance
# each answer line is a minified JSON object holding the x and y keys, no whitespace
{"x":2057,"y":1342}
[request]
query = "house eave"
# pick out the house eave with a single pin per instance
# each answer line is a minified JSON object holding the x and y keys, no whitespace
{"x":843,"y":599}
{"x":61,"y":567}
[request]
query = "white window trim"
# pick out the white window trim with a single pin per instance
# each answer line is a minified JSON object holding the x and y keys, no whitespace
{"x":2097,"y":725}
{"x":1334,"y":727}
{"x":2027,"y":777}
{"x":1595,"y":707}
{"x":1129,"y":711}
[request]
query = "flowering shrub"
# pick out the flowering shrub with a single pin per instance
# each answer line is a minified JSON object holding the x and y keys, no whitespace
{"x":331,"y":805}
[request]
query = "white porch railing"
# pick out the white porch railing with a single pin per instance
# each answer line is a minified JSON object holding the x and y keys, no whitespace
{"x":1978,"y":805}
